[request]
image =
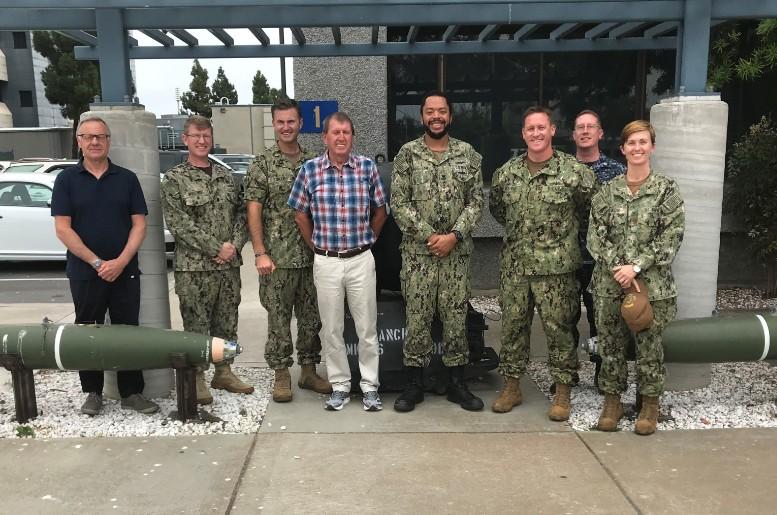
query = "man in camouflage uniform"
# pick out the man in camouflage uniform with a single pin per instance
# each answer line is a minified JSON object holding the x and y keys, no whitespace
{"x":204,"y":211}
{"x":587,"y":134}
{"x":436,"y":198}
{"x":283,"y":260}
{"x":540,"y":197}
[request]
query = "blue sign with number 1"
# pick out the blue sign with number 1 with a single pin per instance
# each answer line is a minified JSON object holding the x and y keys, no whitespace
{"x":313,"y":114}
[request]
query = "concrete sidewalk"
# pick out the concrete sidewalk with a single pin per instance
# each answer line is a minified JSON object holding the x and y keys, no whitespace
{"x":437,"y":459}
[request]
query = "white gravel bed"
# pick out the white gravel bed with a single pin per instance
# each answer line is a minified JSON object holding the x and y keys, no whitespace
{"x":744,"y":298}
{"x":739,"y":395}
{"x":59,"y":400}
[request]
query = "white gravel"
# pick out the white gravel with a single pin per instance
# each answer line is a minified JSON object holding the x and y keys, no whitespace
{"x":59,"y":400}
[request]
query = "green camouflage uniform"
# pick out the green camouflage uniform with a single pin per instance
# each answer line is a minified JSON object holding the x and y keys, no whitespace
{"x":431,"y":194}
{"x":645,"y":229}
{"x":290,"y":287}
{"x":541,"y":215}
{"x":202,"y":212}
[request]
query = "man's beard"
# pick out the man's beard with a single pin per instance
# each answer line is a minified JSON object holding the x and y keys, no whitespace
{"x":437,"y":135}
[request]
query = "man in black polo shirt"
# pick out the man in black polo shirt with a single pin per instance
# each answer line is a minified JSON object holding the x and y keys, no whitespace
{"x":100,"y":215}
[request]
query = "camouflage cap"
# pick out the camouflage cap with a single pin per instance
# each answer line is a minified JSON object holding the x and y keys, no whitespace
{"x":636,"y":309}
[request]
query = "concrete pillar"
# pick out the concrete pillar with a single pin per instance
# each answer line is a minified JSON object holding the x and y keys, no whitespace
{"x":134,"y":146}
{"x":691,"y":148}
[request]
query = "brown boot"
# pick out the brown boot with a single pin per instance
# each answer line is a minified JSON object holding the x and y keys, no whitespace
{"x":612,"y":412}
{"x":559,"y":411}
{"x":648,"y":416}
{"x":309,"y":380}
{"x":203,"y":392}
{"x":281,"y":391}
{"x":510,"y":396}
{"x":224,"y":379}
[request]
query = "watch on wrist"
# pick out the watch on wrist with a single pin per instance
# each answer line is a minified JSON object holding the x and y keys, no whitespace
{"x":637,"y":269}
{"x":459,"y":236}
{"x":97,"y":263}
{"x":259,"y":254}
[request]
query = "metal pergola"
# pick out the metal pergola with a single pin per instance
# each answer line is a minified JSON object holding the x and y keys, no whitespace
{"x":422,"y":26}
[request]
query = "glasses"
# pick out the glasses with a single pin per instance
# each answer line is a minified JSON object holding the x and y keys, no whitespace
{"x":203,"y":137}
{"x":590,"y":127}
{"x":91,"y":137}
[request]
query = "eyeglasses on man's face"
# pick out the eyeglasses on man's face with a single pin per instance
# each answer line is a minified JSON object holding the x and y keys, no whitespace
{"x":586,"y":127}
{"x":91,"y":137}
{"x":203,"y":137}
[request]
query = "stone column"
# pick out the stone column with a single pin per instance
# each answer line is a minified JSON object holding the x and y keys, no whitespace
{"x":691,"y":148}
{"x":134,"y":146}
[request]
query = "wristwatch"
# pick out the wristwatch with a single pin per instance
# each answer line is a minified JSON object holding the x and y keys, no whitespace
{"x":637,"y":269}
{"x":458,"y":235}
{"x":258,"y":254}
{"x":97,"y":263}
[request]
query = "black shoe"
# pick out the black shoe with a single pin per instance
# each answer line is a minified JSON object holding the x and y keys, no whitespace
{"x":460,"y":394}
{"x":413,"y":393}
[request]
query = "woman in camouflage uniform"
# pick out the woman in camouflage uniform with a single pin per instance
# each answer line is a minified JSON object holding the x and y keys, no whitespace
{"x":636,"y":227}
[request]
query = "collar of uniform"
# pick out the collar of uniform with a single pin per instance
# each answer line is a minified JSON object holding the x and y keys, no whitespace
{"x":551,"y":168}
{"x":422,"y":150}
{"x":279,"y":157}
{"x":621,"y":188}
{"x":216,"y":170}
{"x":81,"y":169}
{"x":326,"y":163}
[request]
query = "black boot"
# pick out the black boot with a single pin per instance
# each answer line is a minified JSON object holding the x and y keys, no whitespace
{"x":413,"y":392}
{"x":459,"y":393}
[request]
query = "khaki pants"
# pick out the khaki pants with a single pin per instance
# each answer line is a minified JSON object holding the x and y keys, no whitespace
{"x":351,"y":279}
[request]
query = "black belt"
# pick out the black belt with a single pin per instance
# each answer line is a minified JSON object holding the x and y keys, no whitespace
{"x":342,"y":253}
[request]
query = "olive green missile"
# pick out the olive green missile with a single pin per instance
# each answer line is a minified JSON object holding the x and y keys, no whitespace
{"x":750,"y":337}
{"x":108,"y":347}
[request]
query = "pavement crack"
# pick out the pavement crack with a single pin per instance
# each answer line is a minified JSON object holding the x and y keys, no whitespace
{"x":241,"y":475}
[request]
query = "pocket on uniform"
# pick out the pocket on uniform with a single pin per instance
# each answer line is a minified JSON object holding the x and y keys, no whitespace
{"x":196,"y":195}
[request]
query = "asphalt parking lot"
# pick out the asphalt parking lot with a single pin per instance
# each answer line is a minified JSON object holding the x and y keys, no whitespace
{"x":34,"y":282}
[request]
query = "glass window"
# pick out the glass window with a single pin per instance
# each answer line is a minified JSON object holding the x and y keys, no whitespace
{"x":24,"y":194}
{"x":22,"y":168}
{"x":20,"y":40}
{"x":25,"y":98}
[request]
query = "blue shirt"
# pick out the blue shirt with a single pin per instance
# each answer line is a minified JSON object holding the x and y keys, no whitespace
{"x":340,"y":202}
{"x":606,"y":169}
{"x":100,"y":212}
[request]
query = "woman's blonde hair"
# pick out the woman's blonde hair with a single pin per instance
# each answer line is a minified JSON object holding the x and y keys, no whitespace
{"x":637,"y":126}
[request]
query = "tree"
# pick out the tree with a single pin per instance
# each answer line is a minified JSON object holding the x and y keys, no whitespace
{"x":263,"y":93}
{"x":197,"y":99}
{"x":223,"y":88}
{"x":751,"y":177}
{"x":67,"y":82}
{"x":743,"y":50}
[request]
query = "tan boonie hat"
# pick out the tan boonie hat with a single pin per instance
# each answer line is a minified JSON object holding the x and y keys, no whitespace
{"x":636,"y":309}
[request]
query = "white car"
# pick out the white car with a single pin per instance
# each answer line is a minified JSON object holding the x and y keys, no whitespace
{"x":26,"y":226}
{"x":50,"y":166}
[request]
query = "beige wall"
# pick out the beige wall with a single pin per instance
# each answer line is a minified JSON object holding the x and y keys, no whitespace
{"x":242,"y":129}
{"x":52,"y":142}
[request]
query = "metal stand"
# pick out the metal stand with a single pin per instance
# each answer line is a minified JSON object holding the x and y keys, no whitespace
{"x":23,"y":387}
{"x":185,"y":387}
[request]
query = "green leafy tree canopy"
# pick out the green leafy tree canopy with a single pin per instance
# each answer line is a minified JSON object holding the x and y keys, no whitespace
{"x":69,"y":83}
{"x":751,"y":179}
{"x":263,"y":93}
{"x":222,"y":88}
{"x":197,"y":100}
{"x":743,"y":50}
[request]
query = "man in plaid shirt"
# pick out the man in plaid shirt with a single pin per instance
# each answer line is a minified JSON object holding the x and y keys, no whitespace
{"x":341,"y":208}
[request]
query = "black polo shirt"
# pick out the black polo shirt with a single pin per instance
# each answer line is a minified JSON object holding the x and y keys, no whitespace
{"x":100,"y":212}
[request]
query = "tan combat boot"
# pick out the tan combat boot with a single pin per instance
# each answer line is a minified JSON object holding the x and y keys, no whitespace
{"x":281,"y":391}
{"x":510,"y":396}
{"x":224,"y":379}
{"x":612,"y":412}
{"x":203,"y":392}
{"x":648,"y":416}
{"x":559,"y":411}
{"x":309,"y":380}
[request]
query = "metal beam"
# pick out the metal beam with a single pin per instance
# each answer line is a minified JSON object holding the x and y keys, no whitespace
{"x":599,"y":30}
{"x":695,"y":46}
{"x":298,"y":35}
{"x":525,"y":31}
{"x":222,"y":36}
{"x":159,"y":36}
{"x":184,"y":36}
{"x":338,"y":38}
{"x":450,"y":32}
{"x":661,"y":29}
{"x":260,"y":35}
{"x":563,"y":30}
{"x":625,"y":29}
{"x":366,"y":49}
{"x":412,"y":33}
{"x":80,"y":36}
{"x":375,"y":32}
{"x":487,"y":32}
{"x":112,"y":53}
{"x":144,"y":4}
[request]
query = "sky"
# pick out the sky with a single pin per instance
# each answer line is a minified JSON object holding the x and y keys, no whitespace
{"x":159,"y":95}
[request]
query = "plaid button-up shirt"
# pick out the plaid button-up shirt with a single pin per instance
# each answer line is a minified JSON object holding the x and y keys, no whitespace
{"x":339,"y":202}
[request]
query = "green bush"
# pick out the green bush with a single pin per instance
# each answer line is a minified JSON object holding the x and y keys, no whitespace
{"x":751,"y":193}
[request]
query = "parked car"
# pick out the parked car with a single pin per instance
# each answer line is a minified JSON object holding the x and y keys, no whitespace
{"x":39,"y":165}
{"x":171,"y":158}
{"x":26,"y":226}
